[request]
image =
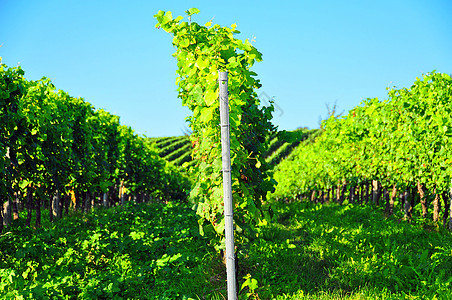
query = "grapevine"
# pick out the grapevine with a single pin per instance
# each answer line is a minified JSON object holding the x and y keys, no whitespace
{"x":201,"y":52}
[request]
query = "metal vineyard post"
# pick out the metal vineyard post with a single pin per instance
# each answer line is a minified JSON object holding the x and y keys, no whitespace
{"x":227,"y":186}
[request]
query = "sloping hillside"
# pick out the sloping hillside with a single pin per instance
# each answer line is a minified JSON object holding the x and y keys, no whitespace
{"x":177,"y":149}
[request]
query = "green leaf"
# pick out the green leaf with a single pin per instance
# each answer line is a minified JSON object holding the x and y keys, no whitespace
{"x":250,"y":282}
{"x":220,"y":227}
{"x":159,"y":14}
{"x":184,"y":43}
{"x":23,"y":184}
{"x":202,"y":63}
{"x":168,"y":17}
{"x":207,"y":115}
{"x":232,"y":59}
{"x":197,"y":94}
{"x":210,"y":97}
{"x":258,"y":164}
{"x":12,"y":87}
{"x":192,"y":11}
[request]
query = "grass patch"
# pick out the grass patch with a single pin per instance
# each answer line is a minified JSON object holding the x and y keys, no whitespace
{"x":148,"y":251}
{"x":154,"y":251}
{"x":348,"y":252}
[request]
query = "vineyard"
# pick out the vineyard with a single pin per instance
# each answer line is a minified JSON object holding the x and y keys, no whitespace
{"x":178,"y":149}
{"x":395,"y":151}
{"x":58,"y":151}
{"x":360,"y":208}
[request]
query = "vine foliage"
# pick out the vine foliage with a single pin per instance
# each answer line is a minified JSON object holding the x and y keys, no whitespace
{"x":402,"y":142}
{"x":201,"y":52}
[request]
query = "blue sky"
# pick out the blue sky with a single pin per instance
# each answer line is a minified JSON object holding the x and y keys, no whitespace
{"x":315,"y":52}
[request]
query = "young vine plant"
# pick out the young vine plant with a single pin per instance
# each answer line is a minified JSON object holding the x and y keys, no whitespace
{"x":201,"y":52}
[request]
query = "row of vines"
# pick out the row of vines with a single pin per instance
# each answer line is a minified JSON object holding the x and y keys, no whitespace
{"x":178,"y":149}
{"x":57,"y":151}
{"x":394,"y":151}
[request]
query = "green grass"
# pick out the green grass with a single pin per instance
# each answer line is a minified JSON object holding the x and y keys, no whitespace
{"x":148,"y":251}
{"x":349,"y":252}
{"x":154,"y":251}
